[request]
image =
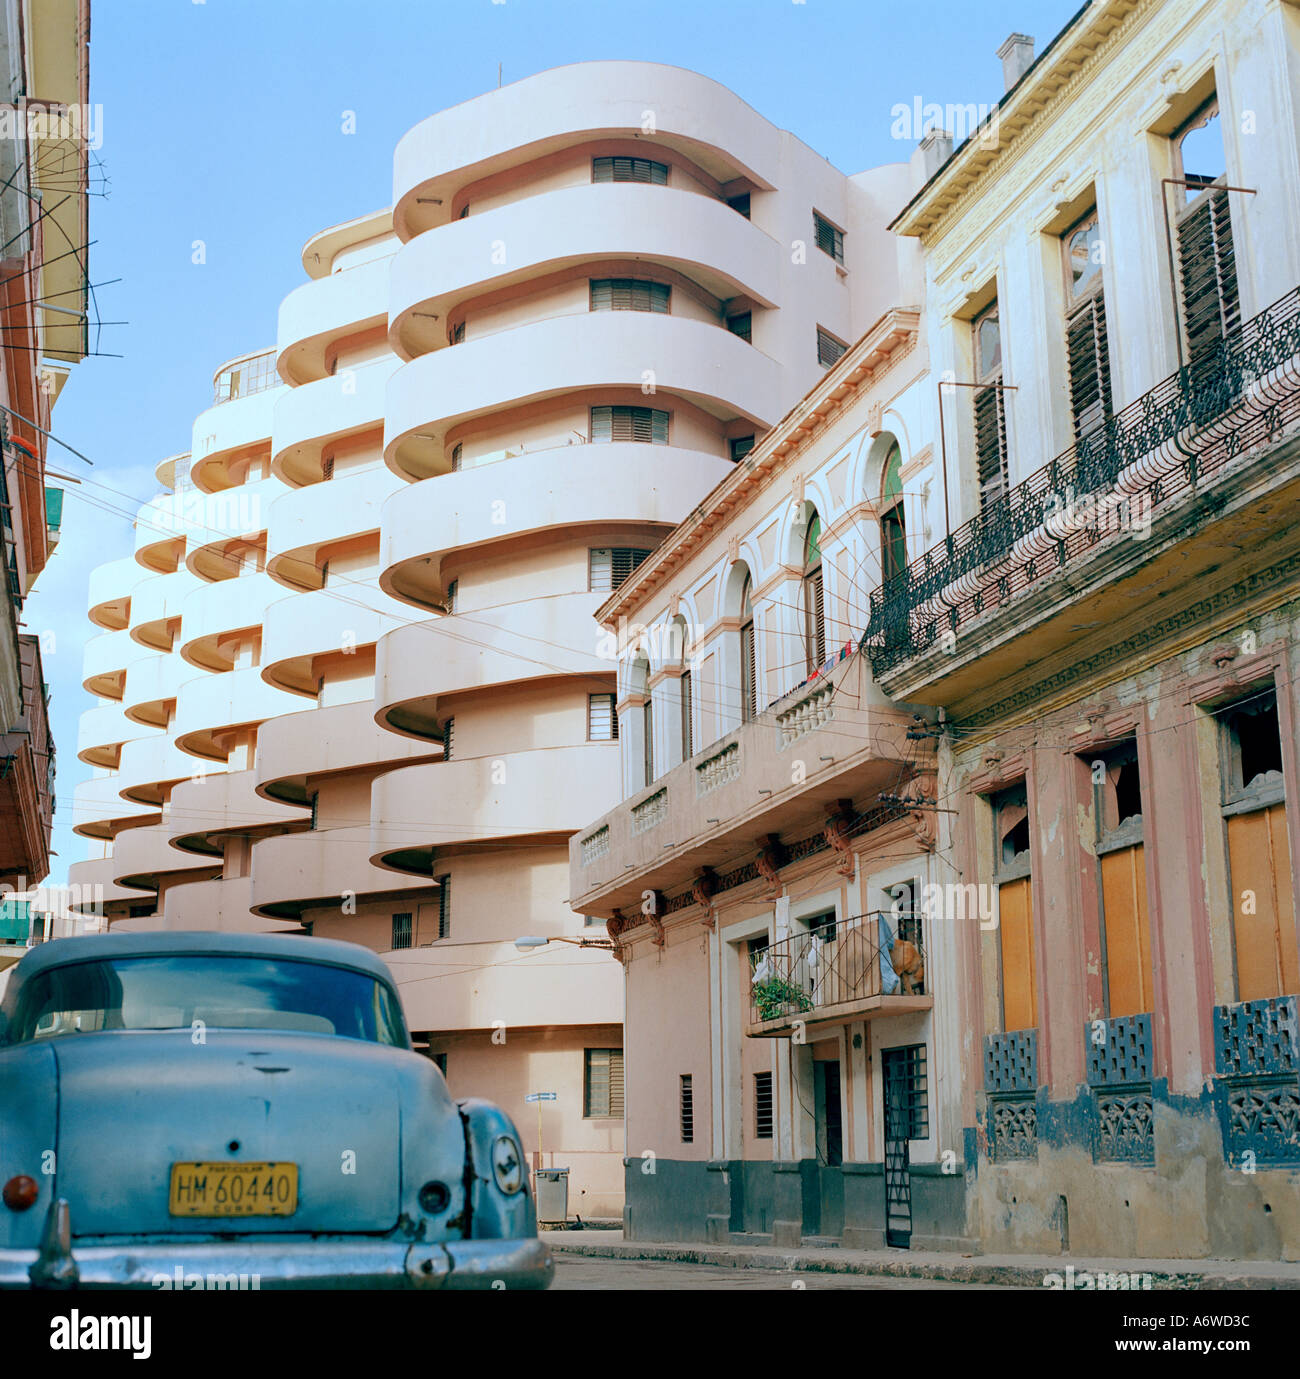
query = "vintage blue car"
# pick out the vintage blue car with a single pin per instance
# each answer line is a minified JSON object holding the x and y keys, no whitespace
{"x":182,"y":1107}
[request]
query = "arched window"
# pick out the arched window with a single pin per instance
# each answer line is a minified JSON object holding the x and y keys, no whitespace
{"x":814,"y":610}
{"x":893,"y":530}
{"x":748,"y":665}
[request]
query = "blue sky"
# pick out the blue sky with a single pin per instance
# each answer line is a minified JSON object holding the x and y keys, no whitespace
{"x":222,"y":121}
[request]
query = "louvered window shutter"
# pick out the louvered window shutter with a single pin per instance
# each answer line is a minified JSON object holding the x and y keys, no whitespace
{"x":452,"y":591}
{"x":830,"y":240}
{"x":602,"y":721}
{"x":648,"y":730}
{"x":444,"y":906}
{"x":628,"y":294}
{"x":748,"y":674}
{"x":629,"y":170}
{"x":327,"y":467}
{"x":616,"y":1082}
{"x":608,"y":567}
{"x":991,"y":443}
{"x":688,"y":735}
{"x":687,"y":1109}
{"x":1089,"y":364}
{"x":448,"y":733}
{"x":644,"y":424}
{"x":1207,"y":270}
{"x":456,"y":451}
{"x":815,"y":615}
{"x":829,"y":349}
{"x":763,"y":1106}
{"x":458,"y":333}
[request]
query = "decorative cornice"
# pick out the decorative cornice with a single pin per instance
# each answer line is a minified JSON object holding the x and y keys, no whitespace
{"x":892,"y":338}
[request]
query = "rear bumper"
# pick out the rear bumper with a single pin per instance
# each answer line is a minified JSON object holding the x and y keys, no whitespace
{"x":322,"y":1263}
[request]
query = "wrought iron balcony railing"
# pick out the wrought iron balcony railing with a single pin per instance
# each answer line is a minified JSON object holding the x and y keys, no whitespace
{"x":835,"y":969}
{"x":1160,"y":448}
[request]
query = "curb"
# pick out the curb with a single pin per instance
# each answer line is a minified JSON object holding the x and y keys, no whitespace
{"x":974,"y":1271}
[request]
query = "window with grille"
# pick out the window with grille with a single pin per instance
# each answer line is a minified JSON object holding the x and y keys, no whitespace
{"x":629,"y":170}
{"x":990,"y":408}
{"x":740,"y":447}
{"x":443,"y":884}
{"x":686,"y":1108}
{"x":740,"y":204}
{"x":609,"y":566}
{"x":629,"y":294}
{"x":748,"y":664}
{"x":1086,"y":347}
{"x":402,"y":930}
{"x":602,"y":721}
{"x":603,"y":1084}
{"x":814,"y":604}
{"x":742,"y":324}
{"x":648,"y":425}
{"x":1207,"y":261}
{"x":762,"y":1106}
{"x":829,"y":238}
{"x":448,"y":735}
{"x":452,"y":592}
{"x":457,"y":451}
{"x":829,"y":348}
{"x":688,"y":729}
{"x":907,"y":1092}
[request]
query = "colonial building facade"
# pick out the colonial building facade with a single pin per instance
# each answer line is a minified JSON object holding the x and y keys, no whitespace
{"x":1078,"y":661}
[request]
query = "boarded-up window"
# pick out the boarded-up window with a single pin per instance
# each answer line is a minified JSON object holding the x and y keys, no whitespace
{"x":603,"y":1083}
{"x":1259,"y":856}
{"x":1121,"y":860}
{"x":1011,"y":871}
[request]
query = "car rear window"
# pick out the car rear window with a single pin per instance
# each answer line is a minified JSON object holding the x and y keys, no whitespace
{"x":186,"y":991}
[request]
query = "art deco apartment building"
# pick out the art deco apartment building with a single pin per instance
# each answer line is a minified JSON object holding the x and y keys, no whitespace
{"x":350,"y":679}
{"x":1069,"y":711}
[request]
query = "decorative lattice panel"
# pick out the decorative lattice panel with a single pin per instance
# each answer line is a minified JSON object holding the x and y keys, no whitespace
{"x":1256,"y":1038}
{"x":1013,"y":1128}
{"x":1011,"y":1061}
{"x":1118,"y":1050}
{"x":1263,"y":1117}
{"x":1126,"y":1123}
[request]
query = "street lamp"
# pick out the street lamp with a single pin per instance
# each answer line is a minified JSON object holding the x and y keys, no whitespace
{"x":532,"y":941}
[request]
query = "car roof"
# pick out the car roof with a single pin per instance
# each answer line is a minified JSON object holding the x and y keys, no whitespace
{"x":210,"y":943}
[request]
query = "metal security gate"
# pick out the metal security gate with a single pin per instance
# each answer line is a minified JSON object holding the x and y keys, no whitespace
{"x":898,"y":1164}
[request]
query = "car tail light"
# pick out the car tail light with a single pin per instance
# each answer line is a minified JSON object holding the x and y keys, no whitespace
{"x":21,"y":1192}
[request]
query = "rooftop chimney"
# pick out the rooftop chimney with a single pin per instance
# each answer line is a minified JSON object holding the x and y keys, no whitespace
{"x":1017,"y":55}
{"x":932,"y":153}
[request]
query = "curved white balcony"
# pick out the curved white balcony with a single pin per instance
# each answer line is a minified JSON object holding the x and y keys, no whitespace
{"x":619,"y":483}
{"x":296,"y":869}
{"x":159,"y":533}
{"x":102,"y":730}
{"x":148,"y":766}
{"x":459,"y":986}
{"x":319,"y":313}
{"x":98,"y":809}
{"x":214,"y":611}
{"x":92,"y":884}
{"x":214,"y":520}
{"x":203,"y":809}
{"x":704,"y":239}
{"x":112,"y":586}
{"x":104,"y":660}
{"x":344,"y":404}
{"x":343,"y":616}
{"x":704,"y":363}
{"x":156,"y":602}
{"x":142,"y":855}
{"x":211,"y":704}
{"x":229,"y":431}
{"x":464,"y":802}
{"x":222,"y":904}
{"x":151,"y":683}
{"x":574,"y":104}
{"x":536,"y":640}
{"x":303,"y":520}
{"x":360,"y":234}
{"x":321,"y":741}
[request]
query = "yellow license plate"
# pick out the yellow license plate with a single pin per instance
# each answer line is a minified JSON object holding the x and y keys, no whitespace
{"x":216,"y":1189}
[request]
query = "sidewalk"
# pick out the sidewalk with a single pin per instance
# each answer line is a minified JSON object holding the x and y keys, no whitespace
{"x":1017,"y":1271}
